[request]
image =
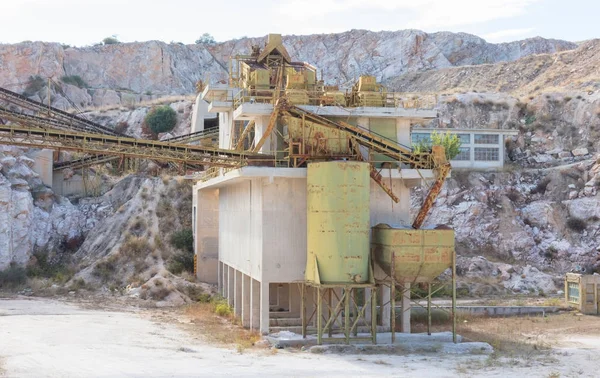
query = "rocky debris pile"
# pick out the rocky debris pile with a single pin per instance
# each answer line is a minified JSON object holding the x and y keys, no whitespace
{"x":522,"y":229}
{"x":32,"y":217}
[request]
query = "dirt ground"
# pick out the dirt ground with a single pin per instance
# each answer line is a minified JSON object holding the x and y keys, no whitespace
{"x":112,"y":338}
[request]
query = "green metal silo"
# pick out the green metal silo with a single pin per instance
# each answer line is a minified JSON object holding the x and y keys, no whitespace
{"x":338,"y":223}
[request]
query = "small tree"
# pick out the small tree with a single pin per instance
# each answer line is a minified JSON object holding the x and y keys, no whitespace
{"x":206,"y":39}
{"x":112,"y":40}
{"x":450,"y":142}
{"x":161,"y":119}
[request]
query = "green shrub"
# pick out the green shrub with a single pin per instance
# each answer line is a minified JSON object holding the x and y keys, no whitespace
{"x":576,"y":224}
{"x":183,"y":240}
{"x":223,"y":309}
{"x":34,"y":85}
{"x":74,"y":80}
{"x":206,"y":39}
{"x":110,"y":40}
{"x":450,"y":142}
{"x":161,"y":119}
{"x":13,"y":276}
{"x":106,"y":269}
{"x":59,"y":271}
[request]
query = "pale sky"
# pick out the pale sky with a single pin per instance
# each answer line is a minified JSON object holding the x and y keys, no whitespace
{"x":85,"y":22}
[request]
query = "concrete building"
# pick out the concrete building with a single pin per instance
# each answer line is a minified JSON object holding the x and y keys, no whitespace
{"x":480,"y":148}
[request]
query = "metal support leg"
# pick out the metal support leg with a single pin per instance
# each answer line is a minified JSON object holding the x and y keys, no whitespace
{"x":347,"y":314}
{"x":303,"y":308}
{"x":374,"y":314}
{"x":429,"y":309}
{"x":329,"y":312}
{"x":454,"y":297}
{"x":319,"y":317}
{"x":393,"y":310}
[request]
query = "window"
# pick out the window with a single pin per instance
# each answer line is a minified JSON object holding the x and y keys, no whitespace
{"x":486,"y":138}
{"x":418,"y":137}
{"x":464,"y":138}
{"x":486,"y":154}
{"x":464,"y":154}
{"x":573,"y":292}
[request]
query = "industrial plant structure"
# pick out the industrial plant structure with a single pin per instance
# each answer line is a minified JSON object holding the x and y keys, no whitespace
{"x":301,"y":214}
{"x":316,"y":237}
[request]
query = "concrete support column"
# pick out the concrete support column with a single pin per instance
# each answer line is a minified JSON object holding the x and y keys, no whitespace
{"x":224,"y":280}
{"x":237,"y":298}
{"x":385,"y":306}
{"x":406,"y":305}
{"x":230,"y":285}
{"x":403,"y":131}
{"x":255,"y":305}
{"x":246,"y":305}
{"x":219,"y":277}
{"x":295,"y":300}
{"x":259,"y":130}
{"x":264,"y":307}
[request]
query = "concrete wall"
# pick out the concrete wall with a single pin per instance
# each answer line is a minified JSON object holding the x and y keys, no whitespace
{"x":240,"y":227}
{"x":43,"y":165}
{"x":199,"y":111}
{"x":205,"y":219}
{"x":284,"y":229}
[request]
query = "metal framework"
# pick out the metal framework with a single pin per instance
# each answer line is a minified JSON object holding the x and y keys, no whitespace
{"x":129,"y":147}
{"x":66,"y":120}
{"x":338,"y":307}
{"x":406,"y":288}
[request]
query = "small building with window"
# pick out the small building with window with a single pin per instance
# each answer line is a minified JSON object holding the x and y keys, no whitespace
{"x":480,"y":148}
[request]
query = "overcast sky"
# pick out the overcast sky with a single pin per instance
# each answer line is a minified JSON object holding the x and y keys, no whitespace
{"x":85,"y":22}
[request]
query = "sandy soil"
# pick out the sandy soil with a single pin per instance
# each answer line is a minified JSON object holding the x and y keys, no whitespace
{"x":51,"y":338}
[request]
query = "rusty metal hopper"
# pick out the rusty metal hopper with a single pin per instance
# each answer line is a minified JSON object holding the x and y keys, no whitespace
{"x":410,"y":255}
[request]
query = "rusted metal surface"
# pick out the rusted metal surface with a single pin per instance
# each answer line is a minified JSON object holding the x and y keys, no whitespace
{"x":338,"y":199}
{"x":442,"y":171}
{"x":412,"y":256}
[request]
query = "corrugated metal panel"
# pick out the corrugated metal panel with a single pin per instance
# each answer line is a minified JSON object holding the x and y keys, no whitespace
{"x":338,"y":197}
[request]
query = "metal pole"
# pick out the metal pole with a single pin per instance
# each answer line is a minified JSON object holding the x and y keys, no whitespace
{"x":374,"y":314}
{"x":329,"y":312}
{"x":347,"y":314}
{"x":303,"y":308}
{"x":319,"y":317}
{"x":393,"y":309}
{"x":454,"y":297}
{"x":429,"y":308}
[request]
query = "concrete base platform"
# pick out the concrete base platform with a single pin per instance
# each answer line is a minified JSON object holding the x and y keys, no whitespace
{"x":405,"y":343}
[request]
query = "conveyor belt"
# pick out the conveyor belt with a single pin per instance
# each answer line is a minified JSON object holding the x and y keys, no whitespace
{"x":68,"y":119}
{"x":34,"y":135}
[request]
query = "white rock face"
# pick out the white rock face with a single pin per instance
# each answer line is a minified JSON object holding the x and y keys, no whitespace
{"x":16,"y":208}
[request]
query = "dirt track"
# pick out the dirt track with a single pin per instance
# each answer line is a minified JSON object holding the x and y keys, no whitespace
{"x":49,"y":338}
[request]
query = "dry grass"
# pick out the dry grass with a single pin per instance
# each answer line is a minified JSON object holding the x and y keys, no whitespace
{"x":220,"y":330}
{"x":521,"y":337}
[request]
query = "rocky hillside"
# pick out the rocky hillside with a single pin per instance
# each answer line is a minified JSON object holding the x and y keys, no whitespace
{"x":128,"y":73}
{"x":573,"y":70}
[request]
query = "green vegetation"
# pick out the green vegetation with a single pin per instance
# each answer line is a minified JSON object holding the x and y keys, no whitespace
{"x":450,"y":142}
{"x":34,"y":85}
{"x":59,"y":271}
{"x":12,"y":277}
{"x":112,"y":40}
{"x":206,"y":39}
{"x":161,"y":119}
{"x":183,"y":260}
{"x":221,"y":307}
{"x":576,"y":224}
{"x":74,"y":80}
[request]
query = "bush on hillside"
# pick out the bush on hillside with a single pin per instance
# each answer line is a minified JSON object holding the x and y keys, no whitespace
{"x":110,"y":40}
{"x":183,"y":260}
{"x":161,"y":119}
{"x":74,"y":80}
{"x":13,"y":276}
